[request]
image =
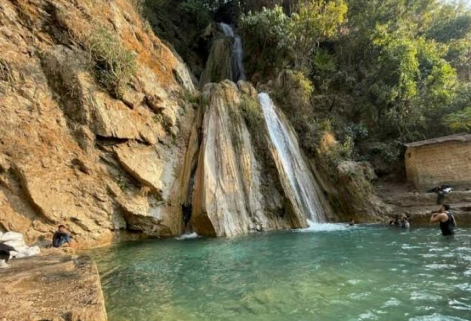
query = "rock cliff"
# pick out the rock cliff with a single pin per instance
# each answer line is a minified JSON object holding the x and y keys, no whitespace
{"x":102,"y":129}
{"x":237,"y":182}
{"x":73,"y":148}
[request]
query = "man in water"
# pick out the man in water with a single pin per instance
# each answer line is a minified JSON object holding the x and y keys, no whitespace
{"x":405,"y":222}
{"x":61,"y":237}
{"x":446,"y":219}
{"x":352,"y":222}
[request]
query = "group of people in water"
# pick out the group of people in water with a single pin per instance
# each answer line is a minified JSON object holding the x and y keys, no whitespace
{"x":443,"y":216}
{"x":403,"y":222}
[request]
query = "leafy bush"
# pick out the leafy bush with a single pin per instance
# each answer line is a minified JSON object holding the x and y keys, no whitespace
{"x":114,"y":64}
{"x":389,"y":151}
{"x":460,"y":120}
{"x":331,"y":153}
{"x":198,"y":10}
{"x":293,"y":89}
{"x":295,"y":37}
{"x":267,"y":36}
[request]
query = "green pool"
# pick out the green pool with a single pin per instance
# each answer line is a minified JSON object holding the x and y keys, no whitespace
{"x":331,"y":273}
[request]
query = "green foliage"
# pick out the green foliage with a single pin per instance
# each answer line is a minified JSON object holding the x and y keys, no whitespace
{"x":389,"y":151}
{"x":460,"y":120}
{"x":198,"y":11}
{"x":267,"y":35}
{"x":389,"y":71}
{"x":332,"y":153}
{"x":252,"y":112}
{"x":114,"y":64}
{"x":295,"y":37}
{"x":316,"y":21}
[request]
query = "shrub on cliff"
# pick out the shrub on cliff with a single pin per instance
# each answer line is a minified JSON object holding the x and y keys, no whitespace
{"x":114,"y":64}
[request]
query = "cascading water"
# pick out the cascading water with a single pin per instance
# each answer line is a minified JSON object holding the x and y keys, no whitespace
{"x":295,"y":168}
{"x":238,"y":72}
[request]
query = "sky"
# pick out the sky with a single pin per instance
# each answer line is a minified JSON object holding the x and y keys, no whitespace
{"x":467,"y":2}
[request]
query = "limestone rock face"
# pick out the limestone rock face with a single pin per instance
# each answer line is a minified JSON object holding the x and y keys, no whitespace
{"x":51,"y":287}
{"x":70,"y":152}
{"x":231,"y":194}
{"x":218,"y":65}
{"x":360,"y":199}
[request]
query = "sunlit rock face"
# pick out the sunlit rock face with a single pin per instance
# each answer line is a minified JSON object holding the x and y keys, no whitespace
{"x":234,"y":192}
{"x":72,"y":153}
{"x":227,"y":199}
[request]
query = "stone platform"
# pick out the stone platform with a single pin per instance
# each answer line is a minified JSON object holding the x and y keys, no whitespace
{"x":52,"y":287}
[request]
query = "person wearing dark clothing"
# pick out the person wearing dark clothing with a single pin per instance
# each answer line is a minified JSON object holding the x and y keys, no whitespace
{"x":5,"y":252}
{"x":446,"y":219}
{"x":441,"y":191}
{"x":61,"y":237}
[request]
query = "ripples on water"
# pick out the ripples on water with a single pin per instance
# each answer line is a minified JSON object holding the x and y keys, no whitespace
{"x":358,"y":273}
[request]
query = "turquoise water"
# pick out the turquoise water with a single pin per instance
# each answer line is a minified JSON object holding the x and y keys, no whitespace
{"x":359,"y":273}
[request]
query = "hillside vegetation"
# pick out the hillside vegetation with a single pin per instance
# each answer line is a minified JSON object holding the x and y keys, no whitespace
{"x":375,"y":73}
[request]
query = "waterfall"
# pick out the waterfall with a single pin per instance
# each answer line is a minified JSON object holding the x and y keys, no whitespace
{"x":292,"y":162}
{"x":238,"y":72}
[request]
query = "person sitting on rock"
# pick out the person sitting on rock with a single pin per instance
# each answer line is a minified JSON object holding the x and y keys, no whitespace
{"x":5,"y":254}
{"x":61,"y":237}
{"x":446,"y":219}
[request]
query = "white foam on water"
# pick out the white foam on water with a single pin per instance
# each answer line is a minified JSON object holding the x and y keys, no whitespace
{"x":188,"y":236}
{"x":419,"y":296}
{"x":393,"y":302}
{"x":436,"y":317}
{"x":320,"y":227}
{"x":436,"y":266}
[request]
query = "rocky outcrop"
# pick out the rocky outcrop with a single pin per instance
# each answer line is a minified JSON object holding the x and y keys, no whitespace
{"x":236,"y":180}
{"x":70,"y":151}
{"x":52,"y":287}
{"x":227,"y":195}
{"x":219,"y":63}
{"x":358,"y":197}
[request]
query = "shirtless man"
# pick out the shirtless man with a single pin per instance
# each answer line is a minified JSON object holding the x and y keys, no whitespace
{"x":446,"y":219}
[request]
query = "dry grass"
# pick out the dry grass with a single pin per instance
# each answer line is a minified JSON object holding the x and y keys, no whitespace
{"x":114,"y":64}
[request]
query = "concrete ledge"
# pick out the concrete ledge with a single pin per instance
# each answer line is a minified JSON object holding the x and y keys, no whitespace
{"x":52,"y":287}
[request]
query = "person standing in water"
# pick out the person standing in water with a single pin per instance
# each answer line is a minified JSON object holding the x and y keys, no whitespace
{"x":446,"y":219}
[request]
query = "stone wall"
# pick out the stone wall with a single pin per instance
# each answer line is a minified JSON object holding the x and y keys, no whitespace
{"x":446,"y":163}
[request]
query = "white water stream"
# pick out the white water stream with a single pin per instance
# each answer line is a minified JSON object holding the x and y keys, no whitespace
{"x":295,"y":168}
{"x":237,"y":70}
